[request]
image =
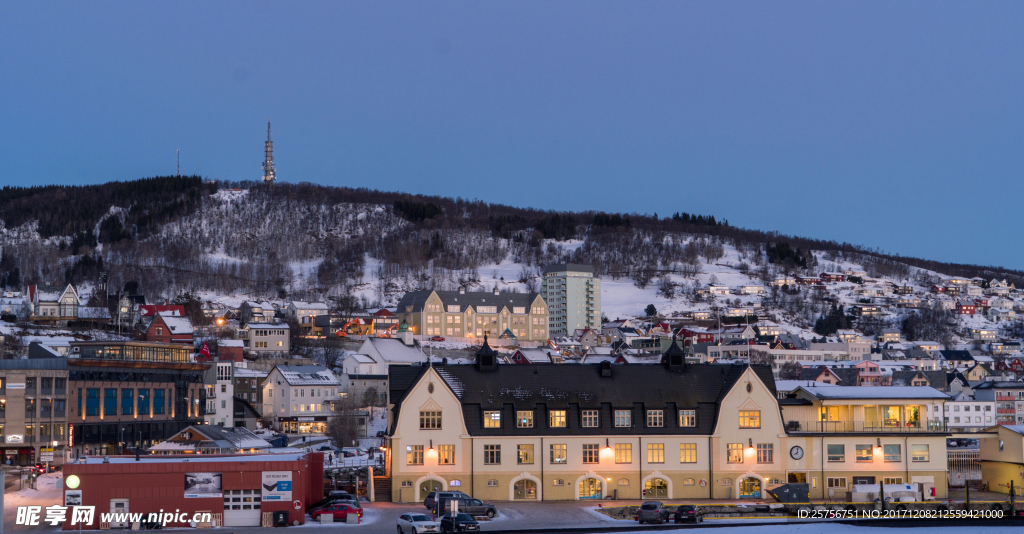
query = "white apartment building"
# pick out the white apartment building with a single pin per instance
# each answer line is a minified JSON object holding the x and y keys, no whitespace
{"x":299,"y":398}
{"x":304,"y":312}
{"x":573,"y":295}
{"x":964,"y":413}
{"x":263,"y":338}
{"x":220,"y":395}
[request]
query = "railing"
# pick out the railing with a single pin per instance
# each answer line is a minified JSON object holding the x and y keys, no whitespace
{"x":864,"y":426}
{"x":1005,"y":410}
{"x":1005,"y":398}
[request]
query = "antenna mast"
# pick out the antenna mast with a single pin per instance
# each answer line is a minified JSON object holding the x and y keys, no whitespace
{"x":269,"y":173}
{"x":179,"y":163}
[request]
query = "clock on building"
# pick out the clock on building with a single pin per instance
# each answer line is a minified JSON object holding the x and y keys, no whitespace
{"x":797,"y":452}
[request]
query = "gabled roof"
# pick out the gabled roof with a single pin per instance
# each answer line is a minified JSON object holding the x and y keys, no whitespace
{"x":417,"y":299}
{"x":177,"y":325}
{"x":394,"y":350}
{"x":307,"y":375}
{"x":875,"y":392}
{"x":956,"y":355}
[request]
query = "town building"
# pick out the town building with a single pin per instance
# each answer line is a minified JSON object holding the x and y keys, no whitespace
{"x":34,"y":410}
{"x":1009,"y":399}
{"x":211,"y":439}
{"x":472,"y":315}
{"x":299,"y":398}
{"x":258,"y":338}
{"x":302,"y":313}
{"x":1001,"y":453}
{"x":167,"y":328}
{"x":573,"y":295}
{"x":52,"y":305}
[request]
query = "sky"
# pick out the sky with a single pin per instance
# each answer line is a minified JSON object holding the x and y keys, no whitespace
{"x":893,"y":125}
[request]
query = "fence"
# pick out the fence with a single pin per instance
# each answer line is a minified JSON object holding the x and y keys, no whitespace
{"x":963,"y":466}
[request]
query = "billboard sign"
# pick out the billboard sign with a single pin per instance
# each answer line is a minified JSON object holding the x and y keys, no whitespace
{"x":277,"y":486}
{"x":203,"y":485}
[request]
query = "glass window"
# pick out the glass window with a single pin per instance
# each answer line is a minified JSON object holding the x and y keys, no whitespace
{"x":556,"y":419}
{"x":688,"y":453}
{"x":414,"y":455}
{"x":836,"y":482}
{"x":109,"y":402}
{"x":558,"y":453}
{"x":143,"y":402}
{"x":919,"y":453}
{"x":750,"y":418}
{"x":865,"y":453}
{"x":623,"y":418}
{"x":524,"y":453}
{"x":524,"y":419}
{"x":492,"y":419}
{"x":158,"y":401}
{"x":30,"y":408}
{"x":127,"y":401}
{"x":623,"y":453}
{"x":765,"y":453}
{"x":492,"y":454}
{"x":430,"y":420}
{"x":92,"y":401}
{"x":735,"y":453}
{"x":836,"y":452}
{"x":590,"y":455}
{"x":891,"y":452}
{"x":589,"y":418}
{"x":655,"y":418}
{"x":446,"y":454}
{"x":687,"y":418}
{"x":655,"y":453}
{"x":892,"y":480}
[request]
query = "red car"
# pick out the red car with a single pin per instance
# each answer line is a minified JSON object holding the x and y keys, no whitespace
{"x":340,"y":512}
{"x":437,"y":338}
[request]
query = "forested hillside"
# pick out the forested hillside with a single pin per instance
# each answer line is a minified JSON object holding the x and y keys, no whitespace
{"x":174,"y":234}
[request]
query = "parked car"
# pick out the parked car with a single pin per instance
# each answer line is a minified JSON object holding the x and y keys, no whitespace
{"x":437,"y":338}
{"x":687,"y":513}
{"x":471,"y":506}
{"x":330,"y":501}
{"x":652,"y":512}
{"x":340,"y":494}
{"x":431,"y":502}
{"x":339,"y":511}
{"x":461,"y":523}
{"x":416,"y":523}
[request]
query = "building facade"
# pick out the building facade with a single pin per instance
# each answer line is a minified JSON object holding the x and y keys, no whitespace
{"x":670,"y":431}
{"x":299,"y":398}
{"x":475,"y":314}
{"x":265,"y":338}
{"x":573,"y":295}
{"x":33,"y":410}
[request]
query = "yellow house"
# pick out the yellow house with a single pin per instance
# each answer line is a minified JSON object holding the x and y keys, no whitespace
{"x":866,"y":435}
{"x":471,"y":314}
{"x":669,"y":431}
{"x":1002,"y":458}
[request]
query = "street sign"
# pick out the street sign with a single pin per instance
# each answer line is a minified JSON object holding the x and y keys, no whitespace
{"x":46,"y":457}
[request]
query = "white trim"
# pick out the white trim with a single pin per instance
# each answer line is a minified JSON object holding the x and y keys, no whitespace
{"x":589,"y":474}
{"x":748,"y":474}
{"x":527,"y":476}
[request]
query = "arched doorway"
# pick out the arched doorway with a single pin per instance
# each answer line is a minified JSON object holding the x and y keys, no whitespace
{"x":750,"y":488}
{"x":656,"y":488}
{"x":525,"y":489}
{"x":590,"y":488}
{"x":428,"y":486}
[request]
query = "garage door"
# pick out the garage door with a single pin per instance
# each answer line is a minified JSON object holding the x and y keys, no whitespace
{"x":242,"y":508}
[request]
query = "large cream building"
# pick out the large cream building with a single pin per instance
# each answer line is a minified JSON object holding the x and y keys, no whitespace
{"x":671,"y":431}
{"x":475,"y":314}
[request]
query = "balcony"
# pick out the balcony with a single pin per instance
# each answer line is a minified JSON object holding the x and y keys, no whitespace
{"x":1005,"y":398}
{"x":1006,"y":410}
{"x":867,"y":427}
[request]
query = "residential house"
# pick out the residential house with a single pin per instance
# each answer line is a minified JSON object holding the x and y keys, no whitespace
{"x":866,"y":310}
{"x":889,"y":335}
{"x":808,"y":280}
{"x":299,"y":398}
{"x":261,"y":338}
{"x":52,"y":305}
{"x":168,"y":329}
{"x":965,"y":413}
{"x":983,"y":334}
{"x":768,"y":328}
{"x":933,"y":379}
{"x":956,"y":359}
{"x":148,"y":311}
{"x":966,"y":308}
{"x":833,"y":277}
{"x":999,"y":315}
{"x":256,"y":312}
{"x":211,"y":439}
{"x":385,"y":321}
{"x":869,"y":374}
{"x":249,"y":384}
{"x":302,"y":313}
{"x":587,"y":338}
{"x":1009,"y":399}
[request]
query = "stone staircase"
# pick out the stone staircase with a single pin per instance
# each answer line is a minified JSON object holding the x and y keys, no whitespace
{"x":382,"y":488}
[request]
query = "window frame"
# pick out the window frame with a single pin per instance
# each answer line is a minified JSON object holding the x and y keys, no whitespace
{"x":870,"y":456}
{"x":687,"y":450}
{"x":591,"y":453}
{"x":590,"y":418}
{"x":492,"y":418}
{"x":655,"y":418}
{"x":623,"y":453}
{"x":927,"y":453}
{"x":555,"y":417}
{"x":430,"y":419}
{"x":524,"y":419}
{"x":562,"y":457}
{"x":765,"y":453}
{"x":687,"y":416}
{"x":623,"y":418}
{"x":750,"y":418}
{"x":833,"y":457}
{"x":524,"y":454}
{"x":492,"y":454}
{"x":732,"y":449}
{"x":446,"y":455}
{"x":887,"y":457}
{"x":655,"y":453}
{"x":414,"y":455}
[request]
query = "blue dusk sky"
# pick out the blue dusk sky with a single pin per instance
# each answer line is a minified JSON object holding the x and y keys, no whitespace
{"x":896,"y":125}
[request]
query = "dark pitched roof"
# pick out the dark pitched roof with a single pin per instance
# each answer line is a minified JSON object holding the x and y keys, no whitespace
{"x":562,"y":267}
{"x":417,"y":299}
{"x":961,"y":355}
{"x":936,"y":378}
{"x":540,"y":387}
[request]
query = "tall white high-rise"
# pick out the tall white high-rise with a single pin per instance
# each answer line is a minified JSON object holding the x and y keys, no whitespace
{"x":573,"y":295}
{"x":269,"y":173}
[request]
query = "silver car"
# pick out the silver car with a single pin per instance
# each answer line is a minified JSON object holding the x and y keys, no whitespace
{"x":416,"y":523}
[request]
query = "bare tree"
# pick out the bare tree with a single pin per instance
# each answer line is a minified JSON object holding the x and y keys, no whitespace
{"x":760,"y":357}
{"x":343,"y":428}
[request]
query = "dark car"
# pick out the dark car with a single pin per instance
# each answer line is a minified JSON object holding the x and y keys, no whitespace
{"x":431,"y":501}
{"x":461,"y":523}
{"x":688,"y":513}
{"x":339,"y":511}
{"x":652,"y":512}
{"x":437,"y":338}
{"x":471,"y":506}
{"x":340,"y":494}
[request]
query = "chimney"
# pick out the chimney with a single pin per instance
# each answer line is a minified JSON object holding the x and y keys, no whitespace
{"x":606,"y":368}
{"x":495,"y":290}
{"x":462,"y":290}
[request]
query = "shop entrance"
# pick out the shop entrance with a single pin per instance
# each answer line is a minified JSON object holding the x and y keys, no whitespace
{"x":750,"y":488}
{"x":525,"y":489}
{"x":590,"y":488}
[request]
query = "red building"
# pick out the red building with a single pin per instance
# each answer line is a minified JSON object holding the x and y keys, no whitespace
{"x":966,"y":308}
{"x":149,"y":310}
{"x":697,"y":335}
{"x":168,"y":329}
{"x":833,"y":277}
{"x":237,"y":490}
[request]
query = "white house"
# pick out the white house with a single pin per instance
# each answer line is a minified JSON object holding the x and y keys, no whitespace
{"x":299,"y":398}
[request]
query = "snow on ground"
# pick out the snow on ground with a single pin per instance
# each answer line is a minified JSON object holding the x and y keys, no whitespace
{"x":370,"y":515}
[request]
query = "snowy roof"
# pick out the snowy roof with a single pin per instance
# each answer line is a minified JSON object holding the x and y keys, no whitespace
{"x":535,"y":355}
{"x":245,"y":372}
{"x":362,"y":358}
{"x":790,"y":385}
{"x":178,"y":325}
{"x":55,"y":341}
{"x":875,"y":392}
{"x":196,"y":458}
{"x":307,"y":375}
{"x":395,"y":351}
{"x":168,"y":313}
{"x":1015,"y":428}
{"x":300,"y":305}
{"x":231,"y":343}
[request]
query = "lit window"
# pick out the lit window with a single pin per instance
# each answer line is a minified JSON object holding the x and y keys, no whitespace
{"x":558,"y":454}
{"x":919,"y":453}
{"x":525,"y":453}
{"x":414,"y":455}
{"x":687,"y":418}
{"x":865,"y":453}
{"x":735,"y":453}
{"x":750,"y":418}
{"x":524,"y":419}
{"x":430,"y":420}
{"x":590,"y":455}
{"x":492,"y":419}
{"x":656,"y":453}
{"x":623,"y":453}
{"x":556,"y":419}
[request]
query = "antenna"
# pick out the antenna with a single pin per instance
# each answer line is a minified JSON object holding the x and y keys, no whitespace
{"x":179,"y":163}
